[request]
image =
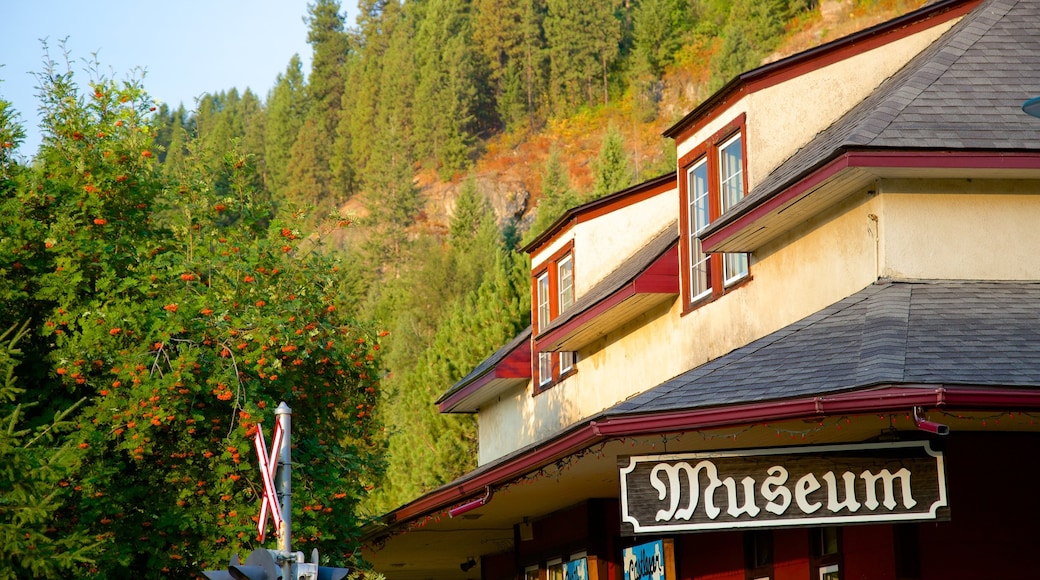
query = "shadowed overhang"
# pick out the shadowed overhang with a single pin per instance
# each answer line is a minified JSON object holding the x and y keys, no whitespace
{"x":649,"y":278}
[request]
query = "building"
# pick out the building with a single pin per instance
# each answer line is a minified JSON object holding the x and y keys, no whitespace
{"x":812,"y":352}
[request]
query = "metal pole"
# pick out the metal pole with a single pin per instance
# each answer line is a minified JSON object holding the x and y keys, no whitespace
{"x":284,"y":484}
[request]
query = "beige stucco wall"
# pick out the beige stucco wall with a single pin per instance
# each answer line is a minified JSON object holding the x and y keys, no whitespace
{"x":824,"y":260}
{"x":910,"y":229}
{"x":602,"y":243}
{"x":784,"y":117}
{"x":986,"y":230}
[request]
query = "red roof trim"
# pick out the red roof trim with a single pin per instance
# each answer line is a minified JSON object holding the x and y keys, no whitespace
{"x":866,"y":159}
{"x":877,"y":399}
{"x":662,"y":277}
{"x":816,"y":58}
{"x":602,"y":206}
{"x":515,"y":365}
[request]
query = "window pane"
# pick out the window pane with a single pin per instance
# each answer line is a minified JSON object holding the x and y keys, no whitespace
{"x":731,"y":173}
{"x":544,"y":368}
{"x":699,"y":216}
{"x":565,"y":282}
{"x":543,"y":301}
{"x":736,"y":266}
{"x":567,"y":360}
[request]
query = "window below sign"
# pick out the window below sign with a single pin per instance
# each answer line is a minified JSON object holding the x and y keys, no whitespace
{"x":826,"y":553}
{"x":758,"y":554}
{"x":554,"y":569}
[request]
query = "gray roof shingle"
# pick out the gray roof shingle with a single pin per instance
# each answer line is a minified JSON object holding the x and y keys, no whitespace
{"x":964,"y":92}
{"x":949,"y":333}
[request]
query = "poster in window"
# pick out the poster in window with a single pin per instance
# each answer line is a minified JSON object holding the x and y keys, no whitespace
{"x":649,"y":561}
{"x":576,"y":569}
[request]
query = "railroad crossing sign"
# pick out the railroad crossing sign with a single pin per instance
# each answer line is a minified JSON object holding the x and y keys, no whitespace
{"x":268,"y":468}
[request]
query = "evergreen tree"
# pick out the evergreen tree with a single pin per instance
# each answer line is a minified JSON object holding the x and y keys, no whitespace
{"x":557,"y":195}
{"x":434,"y":448}
{"x":752,"y":30}
{"x":613,"y":171}
{"x":583,"y":39}
{"x":659,"y":27}
{"x":311,"y":176}
{"x":34,"y":482}
{"x":447,"y":94}
{"x":392,"y":199}
{"x":253,"y":118}
{"x":510,"y":38}
{"x":377,"y":21}
{"x":286,"y":109}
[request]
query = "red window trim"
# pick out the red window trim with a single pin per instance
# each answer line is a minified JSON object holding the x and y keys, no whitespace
{"x":707,"y":150}
{"x":550,"y":267}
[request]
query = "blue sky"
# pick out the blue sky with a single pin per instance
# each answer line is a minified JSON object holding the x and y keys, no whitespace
{"x":187,"y":47}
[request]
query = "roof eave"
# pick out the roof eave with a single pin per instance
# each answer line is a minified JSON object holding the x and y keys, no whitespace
{"x":879,"y":398}
{"x":653,"y":286}
{"x":733,"y":232}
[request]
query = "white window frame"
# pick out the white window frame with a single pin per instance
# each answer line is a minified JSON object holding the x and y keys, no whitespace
{"x":544,"y":314}
{"x":568,"y":359}
{"x":830,"y":572}
{"x":545,"y":367}
{"x":731,"y":191}
{"x":564,"y":283}
{"x":699,"y":215}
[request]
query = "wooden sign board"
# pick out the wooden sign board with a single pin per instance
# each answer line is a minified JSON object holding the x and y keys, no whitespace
{"x":790,"y":486}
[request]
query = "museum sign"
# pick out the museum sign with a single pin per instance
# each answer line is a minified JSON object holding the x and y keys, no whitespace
{"x":820,"y":485}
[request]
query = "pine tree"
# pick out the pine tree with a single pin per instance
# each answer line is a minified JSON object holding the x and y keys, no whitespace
{"x":447,"y":93}
{"x":377,"y":21}
{"x":659,"y":27}
{"x":752,"y":30}
{"x":34,"y":482}
{"x":583,"y":39}
{"x":613,"y":171}
{"x":310,"y":167}
{"x":434,"y":448}
{"x":557,"y":195}
{"x":392,"y":199}
{"x":510,"y":38}
{"x":286,"y":109}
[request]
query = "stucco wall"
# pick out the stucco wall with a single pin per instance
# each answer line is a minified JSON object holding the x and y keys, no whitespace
{"x":784,"y":117}
{"x":601,"y":243}
{"x":824,"y":260}
{"x":986,"y":230}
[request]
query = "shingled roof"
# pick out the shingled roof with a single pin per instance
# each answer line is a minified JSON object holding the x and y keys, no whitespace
{"x":890,"y":333}
{"x":963,"y":93}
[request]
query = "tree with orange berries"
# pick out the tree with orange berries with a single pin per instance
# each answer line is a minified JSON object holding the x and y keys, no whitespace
{"x":183,"y":310}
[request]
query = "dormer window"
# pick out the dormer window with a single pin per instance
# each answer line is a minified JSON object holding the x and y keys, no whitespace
{"x":553,"y":294}
{"x":712,"y":181}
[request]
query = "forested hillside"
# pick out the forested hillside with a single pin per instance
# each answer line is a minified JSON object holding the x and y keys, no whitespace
{"x":451,"y":130}
{"x":348,"y":241}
